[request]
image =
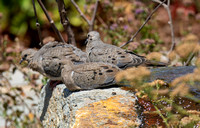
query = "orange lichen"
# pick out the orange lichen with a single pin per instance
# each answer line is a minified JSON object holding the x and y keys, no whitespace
{"x":115,"y":112}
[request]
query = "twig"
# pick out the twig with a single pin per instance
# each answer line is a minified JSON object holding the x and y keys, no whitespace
{"x":161,"y":115}
{"x":189,"y":59}
{"x":51,"y":21}
{"x":93,"y":16}
{"x":65,"y":22}
{"x":148,"y":18}
{"x":191,"y":56}
{"x":90,"y":22}
{"x":168,"y":3}
{"x":37,"y":24}
{"x":102,"y":22}
{"x":81,"y":13}
{"x":166,"y":6}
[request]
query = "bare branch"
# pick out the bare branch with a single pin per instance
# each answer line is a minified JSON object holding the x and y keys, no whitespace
{"x":148,"y":18}
{"x":191,"y":56}
{"x":51,"y":21}
{"x":93,"y":16}
{"x":81,"y":13}
{"x":189,"y":59}
{"x":65,"y":22}
{"x":90,"y":22}
{"x":168,"y":3}
{"x":166,"y":6}
{"x":102,"y":22}
{"x":37,"y":24}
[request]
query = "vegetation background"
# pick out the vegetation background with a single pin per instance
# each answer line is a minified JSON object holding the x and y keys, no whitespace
{"x":116,"y":20}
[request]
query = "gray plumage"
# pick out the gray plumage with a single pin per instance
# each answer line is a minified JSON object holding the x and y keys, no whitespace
{"x":46,"y":60}
{"x":88,"y":75}
{"x":98,"y":51}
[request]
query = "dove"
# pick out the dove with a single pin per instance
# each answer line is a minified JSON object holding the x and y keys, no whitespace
{"x":46,"y":60}
{"x":88,"y":75}
{"x":98,"y":51}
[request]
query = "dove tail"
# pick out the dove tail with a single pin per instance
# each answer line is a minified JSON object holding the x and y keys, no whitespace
{"x":155,"y":63}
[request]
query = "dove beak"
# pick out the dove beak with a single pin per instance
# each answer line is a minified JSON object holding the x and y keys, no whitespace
{"x":86,"y":41}
{"x":21,"y":61}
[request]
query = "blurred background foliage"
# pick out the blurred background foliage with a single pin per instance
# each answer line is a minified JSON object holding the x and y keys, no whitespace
{"x":17,"y":19}
{"x":116,"y":20}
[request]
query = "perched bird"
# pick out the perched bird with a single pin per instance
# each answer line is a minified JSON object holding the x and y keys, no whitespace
{"x":88,"y":75}
{"x":98,"y":51}
{"x":46,"y":60}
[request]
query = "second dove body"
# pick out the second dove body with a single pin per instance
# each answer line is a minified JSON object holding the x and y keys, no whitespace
{"x":98,"y":51}
{"x":88,"y":75}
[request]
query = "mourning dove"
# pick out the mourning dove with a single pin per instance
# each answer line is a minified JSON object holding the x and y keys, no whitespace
{"x":88,"y":75}
{"x":46,"y":60}
{"x":98,"y":51}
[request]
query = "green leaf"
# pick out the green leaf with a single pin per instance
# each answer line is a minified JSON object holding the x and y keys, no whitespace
{"x":76,"y":21}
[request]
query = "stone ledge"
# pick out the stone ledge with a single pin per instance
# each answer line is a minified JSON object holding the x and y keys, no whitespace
{"x":112,"y":107}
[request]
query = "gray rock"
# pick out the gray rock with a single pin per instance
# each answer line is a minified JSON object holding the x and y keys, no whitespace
{"x":58,"y":107}
{"x":168,"y":74}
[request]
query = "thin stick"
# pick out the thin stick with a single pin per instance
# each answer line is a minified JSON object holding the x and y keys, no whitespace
{"x":89,"y":22}
{"x":65,"y":22}
{"x":93,"y":16}
{"x":166,"y":6}
{"x":51,"y":21}
{"x":189,"y":59}
{"x":80,"y":12}
{"x":102,"y":22}
{"x":191,"y":56}
{"x":37,"y":24}
{"x":148,"y":18}
{"x":168,"y":3}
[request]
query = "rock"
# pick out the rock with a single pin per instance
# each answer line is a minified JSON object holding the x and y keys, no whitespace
{"x":16,"y":77}
{"x":111,"y":107}
{"x":168,"y":74}
{"x":108,"y":107}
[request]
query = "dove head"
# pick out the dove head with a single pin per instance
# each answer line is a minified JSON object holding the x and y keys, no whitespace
{"x":93,"y":36}
{"x":27,"y":55}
